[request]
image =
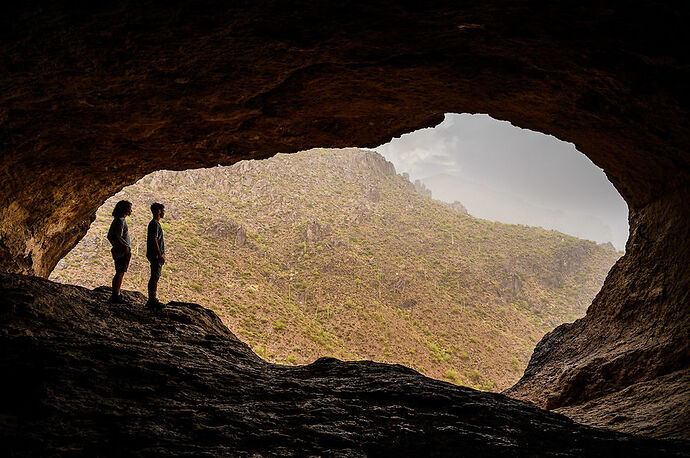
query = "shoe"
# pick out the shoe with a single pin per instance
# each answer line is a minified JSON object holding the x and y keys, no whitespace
{"x":117,"y":300}
{"x":154,"y":304}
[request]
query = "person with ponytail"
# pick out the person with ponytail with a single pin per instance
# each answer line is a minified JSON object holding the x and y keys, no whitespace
{"x":118,"y":236}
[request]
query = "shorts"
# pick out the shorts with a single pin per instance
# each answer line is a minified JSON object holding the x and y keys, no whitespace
{"x":122,"y":262}
{"x":156,"y":268}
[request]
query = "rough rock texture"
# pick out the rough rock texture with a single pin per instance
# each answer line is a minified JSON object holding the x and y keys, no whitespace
{"x":459,"y":207}
{"x":635,"y":331}
{"x":95,"y":95}
{"x":657,"y":407}
{"x":94,"y":378}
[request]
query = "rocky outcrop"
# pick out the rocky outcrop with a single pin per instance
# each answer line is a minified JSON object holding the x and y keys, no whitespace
{"x":635,"y":332}
{"x":241,"y":236}
{"x":97,"y":379}
{"x":422,"y":189}
{"x":608,"y":246}
{"x":658,"y":407}
{"x":315,"y":232}
{"x":458,"y":206}
{"x":96,"y":96}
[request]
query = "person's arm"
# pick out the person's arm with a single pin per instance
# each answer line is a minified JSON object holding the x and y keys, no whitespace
{"x":153,"y":234}
{"x":161,"y":259}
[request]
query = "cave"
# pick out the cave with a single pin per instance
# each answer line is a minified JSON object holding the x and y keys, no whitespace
{"x":95,"y":96}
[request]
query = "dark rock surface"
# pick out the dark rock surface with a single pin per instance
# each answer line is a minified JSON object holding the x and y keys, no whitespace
{"x":658,"y":407}
{"x":93,"y":378}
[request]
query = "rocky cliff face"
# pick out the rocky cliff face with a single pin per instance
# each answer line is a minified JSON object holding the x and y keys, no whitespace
{"x":92,"y":378}
{"x":96,"y":96}
{"x":632,"y":347}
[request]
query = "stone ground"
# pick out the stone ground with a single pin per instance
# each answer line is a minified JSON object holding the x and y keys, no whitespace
{"x":93,"y":378}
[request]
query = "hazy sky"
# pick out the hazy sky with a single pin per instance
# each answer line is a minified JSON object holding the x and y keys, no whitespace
{"x":504,"y":173}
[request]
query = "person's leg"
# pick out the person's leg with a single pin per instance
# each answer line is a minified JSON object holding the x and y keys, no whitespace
{"x":117,"y":283}
{"x":121,"y":265}
{"x":153,"y":286}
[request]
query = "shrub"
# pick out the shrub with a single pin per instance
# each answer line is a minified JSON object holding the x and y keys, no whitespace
{"x":488,"y":386}
{"x":279,"y":325}
{"x":475,"y":377}
{"x":437,"y":352}
{"x":451,"y":375}
{"x":515,"y":363}
{"x":196,"y":287}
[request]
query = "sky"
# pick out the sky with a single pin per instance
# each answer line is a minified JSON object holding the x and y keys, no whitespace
{"x":504,"y":173}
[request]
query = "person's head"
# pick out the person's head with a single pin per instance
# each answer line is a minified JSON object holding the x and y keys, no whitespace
{"x":122,"y":208}
{"x":157,"y":210}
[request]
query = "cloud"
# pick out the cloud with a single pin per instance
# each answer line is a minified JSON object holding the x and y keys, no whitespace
{"x":535,"y":168}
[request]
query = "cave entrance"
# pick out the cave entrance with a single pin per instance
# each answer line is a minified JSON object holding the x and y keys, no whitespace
{"x":334,"y":252}
{"x":93,"y":105}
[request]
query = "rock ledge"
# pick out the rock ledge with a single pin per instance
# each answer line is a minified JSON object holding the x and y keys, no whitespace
{"x":93,"y":378}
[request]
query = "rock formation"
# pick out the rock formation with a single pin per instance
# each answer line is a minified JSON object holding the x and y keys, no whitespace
{"x":241,"y":236}
{"x":421,"y":188}
{"x":96,"y":96}
{"x":634,"y":335}
{"x":91,"y":378}
{"x":458,"y":206}
{"x":608,"y":245}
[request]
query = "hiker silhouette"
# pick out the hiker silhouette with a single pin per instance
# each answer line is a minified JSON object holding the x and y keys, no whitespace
{"x":118,"y":236}
{"x":155,"y":253}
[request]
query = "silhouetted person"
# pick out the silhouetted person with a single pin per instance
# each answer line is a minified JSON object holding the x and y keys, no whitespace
{"x":118,"y":236}
{"x":155,"y":253}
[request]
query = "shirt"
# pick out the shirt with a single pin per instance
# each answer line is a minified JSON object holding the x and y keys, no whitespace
{"x":155,"y":231}
{"x":118,"y":236}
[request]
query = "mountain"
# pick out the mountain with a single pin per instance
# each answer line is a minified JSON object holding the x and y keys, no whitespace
{"x":331,"y":253}
{"x":488,"y":203}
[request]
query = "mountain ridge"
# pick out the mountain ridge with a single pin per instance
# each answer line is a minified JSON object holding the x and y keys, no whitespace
{"x":492,"y":204}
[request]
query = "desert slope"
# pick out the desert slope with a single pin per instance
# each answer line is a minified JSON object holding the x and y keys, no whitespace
{"x":331,"y":253}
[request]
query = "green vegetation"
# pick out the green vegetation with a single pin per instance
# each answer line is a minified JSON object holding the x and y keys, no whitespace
{"x":279,"y":325}
{"x":451,"y":375}
{"x":515,"y":363}
{"x":342,"y":257}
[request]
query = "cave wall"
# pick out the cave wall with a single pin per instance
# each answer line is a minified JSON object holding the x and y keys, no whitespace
{"x":626,"y":364}
{"x":95,"y":96}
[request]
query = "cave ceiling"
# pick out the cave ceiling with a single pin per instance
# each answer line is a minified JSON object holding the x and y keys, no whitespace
{"x":95,"y":96}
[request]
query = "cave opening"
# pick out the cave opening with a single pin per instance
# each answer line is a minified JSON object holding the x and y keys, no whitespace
{"x":336,"y":252}
{"x":94,"y":99}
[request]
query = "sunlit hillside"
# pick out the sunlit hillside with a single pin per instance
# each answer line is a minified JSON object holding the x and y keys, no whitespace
{"x":330,"y":252}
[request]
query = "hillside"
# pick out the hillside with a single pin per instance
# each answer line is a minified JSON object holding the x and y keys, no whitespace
{"x":489,"y":203}
{"x":331,"y":253}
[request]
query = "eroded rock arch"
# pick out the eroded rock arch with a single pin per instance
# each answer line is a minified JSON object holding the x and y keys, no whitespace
{"x":95,"y":97}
